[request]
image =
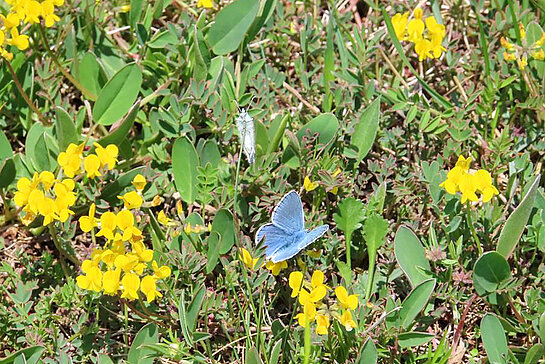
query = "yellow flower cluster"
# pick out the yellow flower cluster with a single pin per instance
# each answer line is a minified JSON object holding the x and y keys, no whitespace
{"x":21,"y":12}
{"x":427,"y":36}
{"x":72,"y":160}
{"x":461,"y":179}
{"x":521,"y":53}
{"x":310,"y":295}
{"x":196,"y":229}
{"x":46,"y":196}
{"x":207,"y":4}
{"x":115,"y":268}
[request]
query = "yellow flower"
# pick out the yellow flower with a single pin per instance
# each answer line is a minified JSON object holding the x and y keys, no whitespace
{"x":107,"y":225}
{"x":24,"y":188}
{"x":91,"y":163}
{"x":156,"y":201}
{"x":149,"y":288}
{"x":248,"y":260}
{"x":47,"y":179}
{"x":125,"y":8}
{"x":48,"y":13}
{"x":107,"y":156}
{"x":295,"y":282}
{"x":70,"y":161}
{"x":539,"y":55}
{"x":35,"y":199}
{"x":33,"y":11}
{"x":322,"y":324}
{"x":315,"y":295}
{"x":143,"y":253}
{"x":162,"y":218}
{"x":400,"y":25}
{"x":275,"y":268}
{"x":505,"y":44}
{"x":132,"y":200}
{"x":345,"y":300}
{"x":92,"y":279}
{"x":434,"y":28}
{"x":522,"y":31}
{"x":483,"y":180}
{"x":48,"y":210}
{"x":125,"y":222}
{"x":347,"y":321}
{"x":423,"y":48}
{"x":308,"y":185}
{"x":87,"y":223}
{"x":160,"y":272}
{"x":207,"y":4}
{"x":11,"y":20}
{"x":130,"y":284}
{"x":415,"y":28}
{"x":522,"y":62}
{"x":110,"y":281}
{"x":307,"y":316}
{"x":139,"y":182}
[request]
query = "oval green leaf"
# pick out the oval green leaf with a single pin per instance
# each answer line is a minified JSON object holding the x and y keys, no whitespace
{"x":415,"y":302}
{"x":489,"y":272}
{"x":494,"y":340}
{"x":252,"y":357}
{"x":213,"y":251}
{"x":184,"y":168}
{"x":65,"y":129}
{"x":516,"y":222}
{"x":413,"y":338}
{"x":365,"y":130}
{"x":410,"y":256}
{"x":231,"y":25}
{"x":119,"y":134}
{"x":224,"y":225}
{"x":368,"y":353}
{"x":535,"y":353}
{"x":118,"y":95}
{"x":326,"y":125}
{"x":29,"y":355}
{"x":138,"y":353}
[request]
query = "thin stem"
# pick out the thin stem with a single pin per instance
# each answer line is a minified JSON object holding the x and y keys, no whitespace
{"x":62,"y":253}
{"x":41,"y":116}
{"x":307,"y":342}
{"x":63,"y":70}
{"x":514,"y":308}
{"x":472,"y":228}
{"x":348,"y":253}
{"x":237,"y":177}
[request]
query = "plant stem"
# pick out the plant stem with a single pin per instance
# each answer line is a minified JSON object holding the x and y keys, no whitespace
{"x":348,"y":253}
{"x":62,"y":253}
{"x":63,"y":70}
{"x":41,"y":116}
{"x":370,"y":274}
{"x":307,"y":342}
{"x":472,"y":228}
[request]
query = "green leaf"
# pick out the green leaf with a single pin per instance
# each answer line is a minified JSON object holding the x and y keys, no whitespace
{"x":213,"y":252}
{"x":65,"y":129}
{"x":326,"y":125}
{"x":185,"y":162}
{"x":118,"y":135}
{"x":266,"y":10}
{"x":535,"y":353}
{"x":252,"y":357}
{"x":118,"y":95}
{"x":231,"y":24}
{"x":351,"y":214}
{"x":278,"y":133}
{"x":224,"y":225}
{"x":275,"y":352}
{"x":344,"y":270}
{"x":516,"y":222}
{"x":89,"y":74}
{"x":490,"y":270}
{"x":365,"y":130}
{"x":410,"y":256}
{"x":136,"y":12}
{"x":138,"y":353}
{"x":104,"y":359}
{"x":329,"y":66}
{"x":7,"y":165}
{"x":415,"y":302}
{"x":494,"y":340}
{"x":375,"y":229}
{"x":413,"y":338}
{"x":201,"y":56}
{"x":542,"y":327}
{"x":194,"y":308}
{"x":29,"y":355}
{"x":368,"y":353}
{"x":41,"y":157}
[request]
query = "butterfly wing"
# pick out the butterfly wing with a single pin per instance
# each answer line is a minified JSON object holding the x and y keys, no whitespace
{"x":288,"y":215}
{"x":288,"y":251}
{"x":274,"y":237}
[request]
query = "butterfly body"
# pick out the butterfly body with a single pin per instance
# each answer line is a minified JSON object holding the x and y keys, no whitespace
{"x":286,"y":235}
{"x":245,"y":126}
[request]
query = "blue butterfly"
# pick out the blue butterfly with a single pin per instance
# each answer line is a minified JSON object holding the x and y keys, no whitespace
{"x":286,"y":235}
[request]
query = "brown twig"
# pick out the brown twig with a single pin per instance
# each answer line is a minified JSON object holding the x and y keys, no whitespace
{"x":460,"y":326}
{"x":298,"y":95}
